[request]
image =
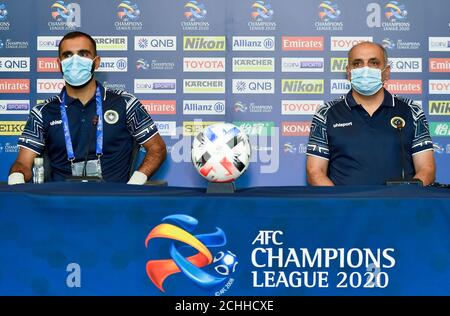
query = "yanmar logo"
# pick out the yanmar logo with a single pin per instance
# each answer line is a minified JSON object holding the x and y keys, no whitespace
{"x":293,"y":43}
{"x":404,"y":86}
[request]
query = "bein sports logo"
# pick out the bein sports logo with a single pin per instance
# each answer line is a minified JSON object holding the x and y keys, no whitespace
{"x":128,"y":11}
{"x":195,"y":11}
{"x":179,"y":228}
{"x":262,"y":11}
{"x":328,"y":11}
{"x":395,"y":11}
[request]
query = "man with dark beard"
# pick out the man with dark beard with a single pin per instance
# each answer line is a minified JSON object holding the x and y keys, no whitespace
{"x":88,"y":130}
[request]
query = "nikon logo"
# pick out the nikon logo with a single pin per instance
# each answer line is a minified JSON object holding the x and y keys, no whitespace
{"x":204,"y":43}
{"x":302,"y":86}
{"x":439,"y":107}
{"x":338,"y":64}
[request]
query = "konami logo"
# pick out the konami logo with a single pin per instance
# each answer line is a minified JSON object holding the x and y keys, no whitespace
{"x":50,"y":85}
{"x":47,"y":64}
{"x":300,"y":107}
{"x":295,"y":128}
{"x":439,"y":64}
{"x":439,"y":86}
{"x":342,"y":43}
{"x":404,"y":86}
{"x":160,"y":107}
{"x":302,"y":43}
{"x":14,"y":85}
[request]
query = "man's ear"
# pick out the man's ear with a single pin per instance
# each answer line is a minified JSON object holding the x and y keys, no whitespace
{"x":96,"y":62}
{"x":386,"y":74}
{"x":348,"y":73}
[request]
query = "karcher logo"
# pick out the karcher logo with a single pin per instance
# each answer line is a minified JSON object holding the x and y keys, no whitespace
{"x":439,"y":107}
{"x":193,"y":128}
{"x":204,"y":86}
{"x":204,"y":43}
{"x":12,"y":128}
{"x":338,"y":64}
{"x":302,"y":86}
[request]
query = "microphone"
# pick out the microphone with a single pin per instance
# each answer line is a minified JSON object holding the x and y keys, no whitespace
{"x":94,"y":125}
{"x":399,"y":123}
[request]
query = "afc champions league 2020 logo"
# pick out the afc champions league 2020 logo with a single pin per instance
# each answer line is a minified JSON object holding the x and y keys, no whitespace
{"x":179,"y":229}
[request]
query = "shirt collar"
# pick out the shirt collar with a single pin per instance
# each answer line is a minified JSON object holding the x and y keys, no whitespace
{"x":70,"y":100}
{"x":388,"y":100}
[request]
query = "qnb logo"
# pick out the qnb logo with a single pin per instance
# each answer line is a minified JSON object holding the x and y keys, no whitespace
{"x":128,"y":11}
{"x":195,"y":11}
{"x":328,"y":11}
{"x":262,"y":11}
{"x":68,"y":14}
{"x":179,"y":229}
{"x":395,"y":11}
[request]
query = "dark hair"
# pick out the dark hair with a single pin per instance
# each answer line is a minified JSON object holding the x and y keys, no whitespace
{"x":75,"y":35}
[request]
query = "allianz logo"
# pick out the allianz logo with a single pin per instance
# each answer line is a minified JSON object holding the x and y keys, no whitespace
{"x":55,"y":122}
{"x":337,"y":125}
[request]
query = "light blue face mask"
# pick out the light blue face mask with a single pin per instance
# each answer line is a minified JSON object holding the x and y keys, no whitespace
{"x":77,"y":70}
{"x":366,"y":80}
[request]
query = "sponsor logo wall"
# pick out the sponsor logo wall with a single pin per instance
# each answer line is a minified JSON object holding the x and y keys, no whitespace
{"x":228,"y":61}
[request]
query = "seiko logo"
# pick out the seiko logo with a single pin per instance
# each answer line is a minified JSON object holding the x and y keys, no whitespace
{"x":336,"y":125}
{"x":55,"y":122}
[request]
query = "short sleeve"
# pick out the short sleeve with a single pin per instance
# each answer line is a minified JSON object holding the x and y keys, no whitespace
{"x":318,"y":138}
{"x":33,"y":136}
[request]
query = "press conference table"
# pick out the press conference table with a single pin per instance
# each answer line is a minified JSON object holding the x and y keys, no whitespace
{"x":103,"y":227}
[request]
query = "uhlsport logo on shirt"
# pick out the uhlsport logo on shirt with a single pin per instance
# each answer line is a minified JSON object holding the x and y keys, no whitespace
{"x":209,"y":271}
{"x":14,"y":106}
{"x":155,"y":86}
{"x":155,"y":43}
{"x":204,"y":107}
{"x":344,"y":43}
{"x":14,"y":64}
{"x":439,"y":86}
{"x":253,"y":43}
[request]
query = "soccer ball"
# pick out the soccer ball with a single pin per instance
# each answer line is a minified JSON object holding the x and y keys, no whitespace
{"x":221,"y":152}
{"x":226,"y":262}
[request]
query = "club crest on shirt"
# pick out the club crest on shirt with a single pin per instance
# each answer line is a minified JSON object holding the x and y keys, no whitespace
{"x":111,"y":117}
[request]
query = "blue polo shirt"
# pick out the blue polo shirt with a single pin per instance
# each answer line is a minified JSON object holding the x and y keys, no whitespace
{"x":124,"y":120}
{"x":364,"y":149}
